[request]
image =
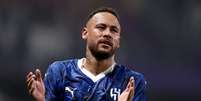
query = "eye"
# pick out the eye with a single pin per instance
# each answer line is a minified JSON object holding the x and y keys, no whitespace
{"x":101,"y":27}
{"x":114,"y":29}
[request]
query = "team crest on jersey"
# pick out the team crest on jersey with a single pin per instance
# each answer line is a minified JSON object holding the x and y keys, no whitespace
{"x":114,"y":93}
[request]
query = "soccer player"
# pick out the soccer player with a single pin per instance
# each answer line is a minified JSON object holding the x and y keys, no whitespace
{"x":96,"y":76}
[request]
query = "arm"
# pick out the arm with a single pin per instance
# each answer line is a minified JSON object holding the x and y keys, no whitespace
{"x":53,"y":83}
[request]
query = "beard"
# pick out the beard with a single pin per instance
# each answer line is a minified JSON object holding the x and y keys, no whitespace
{"x":101,"y":54}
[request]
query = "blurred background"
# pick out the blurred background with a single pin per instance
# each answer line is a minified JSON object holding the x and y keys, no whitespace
{"x":160,"y":38}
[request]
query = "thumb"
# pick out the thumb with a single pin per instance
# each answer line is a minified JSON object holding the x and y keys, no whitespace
{"x":38,"y":75}
{"x":132,"y":88}
{"x":132,"y":82}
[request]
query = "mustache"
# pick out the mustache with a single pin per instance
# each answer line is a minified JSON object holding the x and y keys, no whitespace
{"x":106,"y":41}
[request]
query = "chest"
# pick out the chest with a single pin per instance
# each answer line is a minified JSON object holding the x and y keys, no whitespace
{"x":82,"y":89}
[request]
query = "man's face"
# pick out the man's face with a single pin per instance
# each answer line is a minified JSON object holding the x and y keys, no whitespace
{"x":102,"y":34}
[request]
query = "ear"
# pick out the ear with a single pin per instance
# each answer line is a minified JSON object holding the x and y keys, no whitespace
{"x":84,"y":33}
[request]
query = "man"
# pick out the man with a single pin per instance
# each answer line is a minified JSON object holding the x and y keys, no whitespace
{"x":96,"y":77}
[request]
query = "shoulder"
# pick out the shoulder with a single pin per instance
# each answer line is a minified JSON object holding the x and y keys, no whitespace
{"x":58,"y":67}
{"x":129,"y":71}
{"x":139,"y":77}
{"x":62,"y":64}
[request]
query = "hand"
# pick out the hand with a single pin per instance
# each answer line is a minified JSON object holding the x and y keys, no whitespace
{"x":128,"y":93}
{"x":35,"y":85}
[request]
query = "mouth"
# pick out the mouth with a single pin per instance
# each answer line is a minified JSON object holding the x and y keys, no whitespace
{"x":106,"y":42}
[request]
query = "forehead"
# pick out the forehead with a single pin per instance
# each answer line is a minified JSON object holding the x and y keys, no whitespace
{"x":104,"y":18}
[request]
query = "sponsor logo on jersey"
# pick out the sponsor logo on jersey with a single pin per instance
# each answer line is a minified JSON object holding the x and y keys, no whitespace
{"x":70,"y":90}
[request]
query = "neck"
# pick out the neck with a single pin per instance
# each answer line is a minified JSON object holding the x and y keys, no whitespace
{"x":97,"y":66}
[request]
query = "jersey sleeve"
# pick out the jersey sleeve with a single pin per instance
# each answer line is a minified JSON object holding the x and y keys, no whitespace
{"x":140,"y":86}
{"x":53,"y":82}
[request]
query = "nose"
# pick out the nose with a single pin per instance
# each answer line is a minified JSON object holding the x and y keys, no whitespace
{"x":107,"y":33}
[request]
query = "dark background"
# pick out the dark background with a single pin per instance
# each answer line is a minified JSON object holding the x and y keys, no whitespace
{"x":160,"y":38}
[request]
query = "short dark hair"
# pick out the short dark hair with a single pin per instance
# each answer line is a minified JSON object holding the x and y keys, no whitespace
{"x":103,"y":9}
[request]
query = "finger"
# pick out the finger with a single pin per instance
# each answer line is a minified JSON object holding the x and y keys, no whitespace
{"x":28,"y":75}
{"x":31,"y":83}
{"x":31,"y":90}
{"x":38,"y":75}
{"x":132,"y":82}
{"x":131,"y":89}
{"x":32,"y":76}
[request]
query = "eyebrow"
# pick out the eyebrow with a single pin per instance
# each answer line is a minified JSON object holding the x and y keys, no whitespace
{"x":113,"y":26}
